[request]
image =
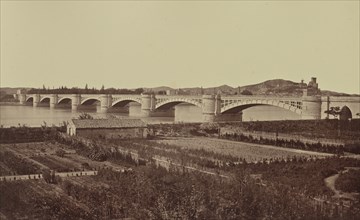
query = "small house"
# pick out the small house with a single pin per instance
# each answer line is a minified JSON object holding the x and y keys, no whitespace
{"x":108,"y":128}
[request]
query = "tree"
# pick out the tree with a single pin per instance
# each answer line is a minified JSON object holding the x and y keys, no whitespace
{"x":86,"y":87}
{"x":246,"y":92}
{"x":60,"y":152}
{"x":49,"y":176}
{"x":161,"y":92}
{"x":139,"y":90}
{"x":85,"y":115}
{"x":334,"y":111}
{"x":102,"y":88}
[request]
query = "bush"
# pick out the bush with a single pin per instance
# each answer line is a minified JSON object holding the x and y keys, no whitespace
{"x":349,"y":181}
{"x":352,"y":148}
{"x":60,"y":153}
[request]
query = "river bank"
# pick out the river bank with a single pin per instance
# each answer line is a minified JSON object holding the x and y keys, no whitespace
{"x":10,"y":104}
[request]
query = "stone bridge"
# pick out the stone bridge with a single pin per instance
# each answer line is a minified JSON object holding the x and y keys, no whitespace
{"x":214,"y":107}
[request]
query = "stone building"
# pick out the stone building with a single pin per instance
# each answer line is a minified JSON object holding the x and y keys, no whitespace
{"x":108,"y":128}
{"x":345,"y":113}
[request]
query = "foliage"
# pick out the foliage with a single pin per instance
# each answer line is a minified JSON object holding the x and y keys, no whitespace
{"x":49,"y":176}
{"x":60,"y":152}
{"x":23,"y":134}
{"x":349,"y":181}
{"x":246,"y":92}
{"x":17,"y":165}
{"x":350,"y":130}
{"x":52,"y":164}
{"x":327,"y":148}
{"x":85,"y":115}
{"x":86,"y":90}
{"x":334,"y":111}
{"x":210,"y":128}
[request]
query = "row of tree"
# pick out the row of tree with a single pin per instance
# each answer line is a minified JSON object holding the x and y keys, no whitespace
{"x":297,"y":144}
{"x":86,"y":90}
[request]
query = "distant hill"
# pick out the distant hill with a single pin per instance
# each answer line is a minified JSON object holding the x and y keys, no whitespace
{"x":276,"y":87}
{"x":158,"y":89}
{"x":270,"y":87}
{"x":8,"y":90}
{"x":279,"y":87}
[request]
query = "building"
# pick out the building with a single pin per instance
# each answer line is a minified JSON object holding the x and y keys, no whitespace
{"x":108,"y":128}
{"x":313,"y":83}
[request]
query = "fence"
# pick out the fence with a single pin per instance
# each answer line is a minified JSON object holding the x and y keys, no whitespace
{"x":40,"y":176}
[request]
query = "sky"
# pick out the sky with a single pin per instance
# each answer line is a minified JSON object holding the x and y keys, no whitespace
{"x":125,"y":44}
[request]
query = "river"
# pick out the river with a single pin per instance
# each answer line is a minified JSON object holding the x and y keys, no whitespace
{"x":15,"y":115}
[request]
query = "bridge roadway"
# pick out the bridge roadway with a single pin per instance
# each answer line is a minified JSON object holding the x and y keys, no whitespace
{"x":214,"y":107}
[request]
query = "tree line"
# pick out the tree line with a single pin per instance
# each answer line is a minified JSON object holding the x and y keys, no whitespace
{"x":86,"y":90}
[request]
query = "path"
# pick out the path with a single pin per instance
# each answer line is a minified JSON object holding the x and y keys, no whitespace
{"x":330,"y":183}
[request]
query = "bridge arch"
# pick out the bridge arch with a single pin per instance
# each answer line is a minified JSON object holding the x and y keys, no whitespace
{"x":45,"y":99}
{"x":170,"y":103}
{"x":124,"y":101}
{"x":65,"y":100}
{"x":239,"y":106}
{"x":30,"y":99}
{"x":90,"y":101}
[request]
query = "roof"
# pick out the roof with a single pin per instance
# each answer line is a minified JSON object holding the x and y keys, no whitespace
{"x":108,"y":123}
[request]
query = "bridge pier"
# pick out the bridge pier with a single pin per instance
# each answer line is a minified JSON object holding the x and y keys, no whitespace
{"x":148,"y":102}
{"x":22,"y":98}
{"x":311,"y":107}
{"x":53,"y":101}
{"x":36,"y":100}
{"x":211,"y":107}
{"x":105,"y":103}
{"x":75,"y":101}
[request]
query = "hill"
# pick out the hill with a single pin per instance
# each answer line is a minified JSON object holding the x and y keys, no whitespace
{"x":279,"y":87}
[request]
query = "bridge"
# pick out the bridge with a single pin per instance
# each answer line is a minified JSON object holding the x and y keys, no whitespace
{"x":213,"y":107}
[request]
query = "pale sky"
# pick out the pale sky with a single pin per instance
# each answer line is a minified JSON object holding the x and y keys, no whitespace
{"x":125,"y":44}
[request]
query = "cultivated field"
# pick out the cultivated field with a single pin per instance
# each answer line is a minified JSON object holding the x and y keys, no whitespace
{"x":33,"y":158}
{"x":171,"y":178}
{"x":250,"y":152}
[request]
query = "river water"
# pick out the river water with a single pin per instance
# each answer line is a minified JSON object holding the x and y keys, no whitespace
{"x":15,"y":115}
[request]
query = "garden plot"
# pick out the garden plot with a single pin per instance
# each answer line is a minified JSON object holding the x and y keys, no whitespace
{"x":36,"y":148}
{"x":250,"y":152}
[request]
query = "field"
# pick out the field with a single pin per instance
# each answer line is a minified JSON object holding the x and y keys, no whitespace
{"x":171,"y":178}
{"x":33,"y":158}
{"x":250,"y":152}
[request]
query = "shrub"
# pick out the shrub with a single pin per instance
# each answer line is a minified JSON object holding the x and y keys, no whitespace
{"x":60,"y":152}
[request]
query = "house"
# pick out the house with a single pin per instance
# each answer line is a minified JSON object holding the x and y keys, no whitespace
{"x":108,"y":128}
